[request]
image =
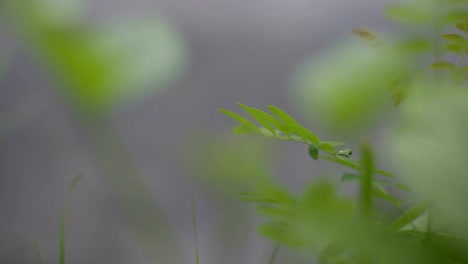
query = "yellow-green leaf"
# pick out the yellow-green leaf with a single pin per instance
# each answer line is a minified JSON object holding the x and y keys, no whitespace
{"x":442,"y":65}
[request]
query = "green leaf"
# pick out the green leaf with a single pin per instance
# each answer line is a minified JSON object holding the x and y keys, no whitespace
{"x":301,"y":132}
{"x":263,"y":118}
{"x":333,"y":143}
{"x":326,"y":147}
{"x":453,"y":37}
{"x":453,"y":47}
{"x":241,"y":130}
{"x":247,"y":124}
{"x":380,"y":192}
{"x":99,"y":66}
{"x":410,"y":215}
{"x":463,"y":26}
{"x":384,"y":173}
{"x":347,"y":163}
{"x":441,"y":65}
{"x":346,"y":177}
{"x":282,"y":115}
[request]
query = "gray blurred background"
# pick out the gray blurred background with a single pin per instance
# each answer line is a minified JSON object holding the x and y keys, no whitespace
{"x":240,"y":51}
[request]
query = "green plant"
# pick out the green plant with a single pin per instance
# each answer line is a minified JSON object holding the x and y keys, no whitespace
{"x":350,"y":90}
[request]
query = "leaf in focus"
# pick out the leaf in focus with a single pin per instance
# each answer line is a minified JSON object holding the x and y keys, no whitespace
{"x":301,"y":132}
{"x":247,"y":125}
{"x":282,"y":115}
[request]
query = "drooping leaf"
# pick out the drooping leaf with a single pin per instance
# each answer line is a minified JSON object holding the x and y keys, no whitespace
{"x":247,"y":124}
{"x":261,"y":117}
{"x":440,"y":65}
{"x":453,"y":37}
{"x":453,"y":47}
{"x":463,"y":26}
{"x":411,"y":214}
{"x":282,"y":115}
{"x":301,"y":132}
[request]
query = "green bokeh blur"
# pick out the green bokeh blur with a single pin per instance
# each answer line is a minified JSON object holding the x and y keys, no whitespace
{"x":100,"y":66}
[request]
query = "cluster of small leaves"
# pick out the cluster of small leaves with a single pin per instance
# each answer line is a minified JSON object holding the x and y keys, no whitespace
{"x":285,"y":127}
{"x":458,"y":44}
{"x":321,"y":221}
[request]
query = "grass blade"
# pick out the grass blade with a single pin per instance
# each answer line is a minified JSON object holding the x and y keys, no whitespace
{"x":367,"y":180}
{"x":274,"y":254}
{"x":38,"y":251}
{"x":195,"y":233}
{"x":63,"y":219}
{"x":410,"y":215}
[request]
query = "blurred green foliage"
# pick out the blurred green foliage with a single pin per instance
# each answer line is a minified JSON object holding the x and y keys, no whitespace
{"x":348,"y":90}
{"x":100,"y":65}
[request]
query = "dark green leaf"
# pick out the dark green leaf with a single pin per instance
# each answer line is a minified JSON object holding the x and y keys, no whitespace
{"x":313,"y":151}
